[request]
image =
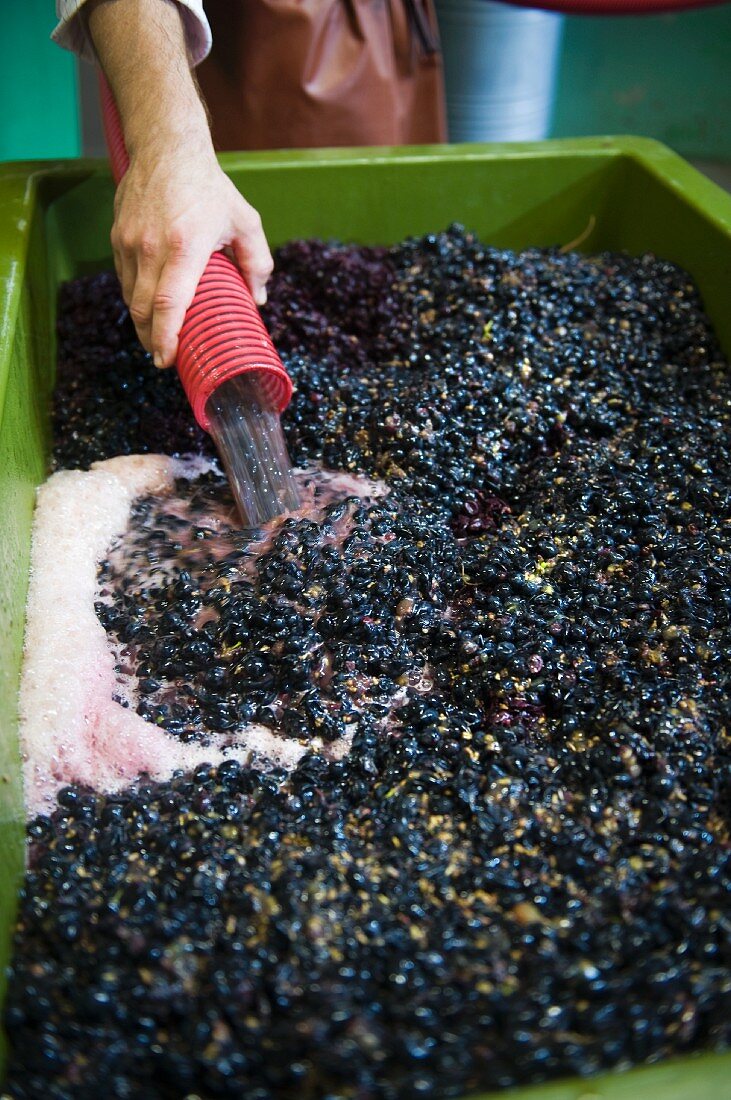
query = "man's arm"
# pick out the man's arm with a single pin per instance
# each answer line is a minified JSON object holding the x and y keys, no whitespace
{"x":174,"y":206}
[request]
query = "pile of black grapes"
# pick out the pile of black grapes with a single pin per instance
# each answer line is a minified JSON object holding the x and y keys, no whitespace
{"x":517,"y":871}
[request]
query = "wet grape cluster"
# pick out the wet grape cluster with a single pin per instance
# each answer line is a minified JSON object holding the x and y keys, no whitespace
{"x":109,"y":398}
{"x":521,"y":866}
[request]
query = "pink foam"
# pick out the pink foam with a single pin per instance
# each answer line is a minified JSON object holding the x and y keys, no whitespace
{"x":73,"y":729}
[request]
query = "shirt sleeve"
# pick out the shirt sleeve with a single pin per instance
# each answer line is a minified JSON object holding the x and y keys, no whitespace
{"x":71,"y":32}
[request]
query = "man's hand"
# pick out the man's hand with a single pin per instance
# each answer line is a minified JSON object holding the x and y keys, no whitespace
{"x":174,"y":206}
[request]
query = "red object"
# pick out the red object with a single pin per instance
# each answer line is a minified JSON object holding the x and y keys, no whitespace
{"x":614,"y":7}
{"x":223,"y":334}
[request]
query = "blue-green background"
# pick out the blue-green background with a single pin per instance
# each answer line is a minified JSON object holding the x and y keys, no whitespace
{"x":664,"y":76}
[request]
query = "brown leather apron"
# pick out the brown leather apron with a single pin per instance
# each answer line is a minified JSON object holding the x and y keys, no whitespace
{"x":307,"y":73}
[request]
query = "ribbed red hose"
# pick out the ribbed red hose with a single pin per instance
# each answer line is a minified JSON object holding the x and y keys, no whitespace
{"x":223,"y":334}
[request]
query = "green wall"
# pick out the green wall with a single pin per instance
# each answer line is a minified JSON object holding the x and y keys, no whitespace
{"x":667,"y":77}
{"x":37,"y":85}
{"x":662,"y":76}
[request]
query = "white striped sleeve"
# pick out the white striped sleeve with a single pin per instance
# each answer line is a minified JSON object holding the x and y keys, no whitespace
{"x":71,"y":32}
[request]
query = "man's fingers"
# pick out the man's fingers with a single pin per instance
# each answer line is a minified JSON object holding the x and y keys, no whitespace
{"x":253,"y":258}
{"x":117,"y":263}
{"x":141,"y":303}
{"x":127,"y":272}
{"x":125,"y":263}
{"x":162,"y":240}
{"x":174,"y":293}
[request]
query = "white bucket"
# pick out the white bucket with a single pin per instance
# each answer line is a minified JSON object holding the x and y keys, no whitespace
{"x":500,"y":66}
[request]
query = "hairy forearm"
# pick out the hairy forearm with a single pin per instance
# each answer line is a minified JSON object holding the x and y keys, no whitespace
{"x":174,"y":206}
{"x":141,"y":47}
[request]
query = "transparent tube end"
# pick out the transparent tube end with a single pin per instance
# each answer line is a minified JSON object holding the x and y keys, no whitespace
{"x":251,"y":444}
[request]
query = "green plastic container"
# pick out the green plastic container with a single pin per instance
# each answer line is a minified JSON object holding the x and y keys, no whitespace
{"x":607,"y":193}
